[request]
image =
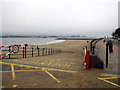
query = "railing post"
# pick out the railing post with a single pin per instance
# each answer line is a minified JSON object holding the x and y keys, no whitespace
{"x":42,"y":51}
{"x":32,"y":51}
{"x":106,"y":55}
{"x":23,"y":52}
{"x":93,"y":49}
{"x":46,"y":51}
{"x":38,"y":51}
{"x":49,"y":51}
{"x":53,"y":51}
{"x":9,"y":51}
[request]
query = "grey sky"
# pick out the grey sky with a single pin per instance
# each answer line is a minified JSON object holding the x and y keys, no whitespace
{"x":119,"y":14}
{"x":59,"y":17}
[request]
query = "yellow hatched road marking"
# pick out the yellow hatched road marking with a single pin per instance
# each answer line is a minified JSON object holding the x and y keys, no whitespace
{"x":43,"y":69}
{"x":40,"y":70}
{"x":61,"y":70}
{"x":21,"y":71}
{"x":103,"y":74}
{"x":109,"y":78}
{"x":58,"y":81}
{"x":13,"y":72}
{"x":110,"y":82}
{"x":20,"y":65}
{"x":38,"y":67}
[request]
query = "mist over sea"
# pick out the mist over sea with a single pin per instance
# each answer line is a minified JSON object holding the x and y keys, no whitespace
{"x":29,"y":41}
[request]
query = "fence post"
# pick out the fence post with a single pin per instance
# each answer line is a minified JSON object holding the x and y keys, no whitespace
{"x":32,"y":51}
{"x":26,"y":50}
{"x":46,"y":51}
{"x":106,"y":55}
{"x":9,"y":51}
{"x":23,"y":52}
{"x":53,"y":51}
{"x":49,"y":51}
{"x":38,"y":51}
{"x":42,"y":51}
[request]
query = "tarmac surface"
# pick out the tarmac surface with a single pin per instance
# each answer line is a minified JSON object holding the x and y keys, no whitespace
{"x":62,"y":70}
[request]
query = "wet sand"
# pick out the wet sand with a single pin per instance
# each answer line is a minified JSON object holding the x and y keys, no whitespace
{"x":71,"y":58}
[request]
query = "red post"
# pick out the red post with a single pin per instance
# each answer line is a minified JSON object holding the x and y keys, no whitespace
{"x":87,"y":59}
{"x":1,"y":52}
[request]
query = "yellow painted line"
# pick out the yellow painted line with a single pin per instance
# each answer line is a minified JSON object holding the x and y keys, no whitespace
{"x":21,"y":70}
{"x":58,"y":81}
{"x":111,"y":83}
{"x":14,"y":86}
{"x":13,"y":72}
{"x":108,"y":74}
{"x":109,"y":78}
{"x":38,"y":67}
{"x":61,"y":70}
{"x":20,"y":65}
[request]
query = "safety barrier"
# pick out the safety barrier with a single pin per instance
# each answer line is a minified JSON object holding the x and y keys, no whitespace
{"x":87,"y":58}
{"x":92,"y":45}
{"x":25,"y":51}
{"x":11,"y":49}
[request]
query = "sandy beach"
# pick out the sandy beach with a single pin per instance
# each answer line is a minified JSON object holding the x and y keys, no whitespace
{"x":66,"y":66}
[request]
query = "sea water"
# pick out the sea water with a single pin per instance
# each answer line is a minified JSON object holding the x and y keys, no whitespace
{"x":29,"y":41}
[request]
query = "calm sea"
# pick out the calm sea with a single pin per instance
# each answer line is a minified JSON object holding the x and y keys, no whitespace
{"x":29,"y":41}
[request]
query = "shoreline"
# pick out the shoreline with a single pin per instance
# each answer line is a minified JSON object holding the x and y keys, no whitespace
{"x":43,"y":41}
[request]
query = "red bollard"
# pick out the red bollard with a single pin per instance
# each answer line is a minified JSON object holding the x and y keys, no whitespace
{"x":87,"y":59}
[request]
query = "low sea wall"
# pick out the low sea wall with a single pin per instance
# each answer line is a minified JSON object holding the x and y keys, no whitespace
{"x":100,"y":53}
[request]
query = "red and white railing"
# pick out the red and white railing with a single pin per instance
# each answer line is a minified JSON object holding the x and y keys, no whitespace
{"x":14,"y":49}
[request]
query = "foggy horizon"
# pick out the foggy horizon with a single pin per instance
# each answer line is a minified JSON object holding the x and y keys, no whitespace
{"x":59,"y":17}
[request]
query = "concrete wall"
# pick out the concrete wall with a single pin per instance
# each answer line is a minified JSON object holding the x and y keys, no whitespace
{"x":100,"y":52}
